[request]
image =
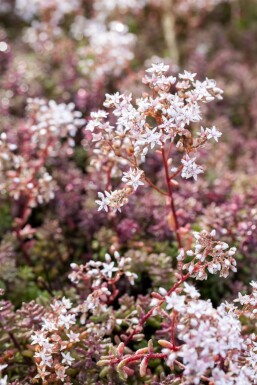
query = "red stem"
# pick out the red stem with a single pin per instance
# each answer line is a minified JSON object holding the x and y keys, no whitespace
{"x":139,"y":357}
{"x":177,"y":172}
{"x":155,"y":187}
{"x":173,"y":326}
{"x":172,"y":207}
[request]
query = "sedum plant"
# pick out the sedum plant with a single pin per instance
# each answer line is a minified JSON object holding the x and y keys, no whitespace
{"x":198,"y":343}
{"x":159,"y":121}
{"x":99,"y":293}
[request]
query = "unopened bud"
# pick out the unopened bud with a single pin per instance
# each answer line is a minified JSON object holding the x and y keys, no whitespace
{"x":143,"y":367}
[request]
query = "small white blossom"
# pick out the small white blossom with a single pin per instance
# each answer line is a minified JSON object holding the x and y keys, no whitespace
{"x":158,"y":68}
{"x":60,"y":372}
{"x":73,"y":337}
{"x":104,"y":201}
{"x":190,"y":168}
{"x":133,"y":178}
{"x":67,"y":359}
{"x":108,"y":269}
{"x":176,"y":302}
{"x":213,"y":133}
{"x":187,"y":76}
{"x":66,"y":320}
{"x":4,"y":380}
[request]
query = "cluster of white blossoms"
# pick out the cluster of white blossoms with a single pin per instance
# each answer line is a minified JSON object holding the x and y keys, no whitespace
{"x":51,"y":122}
{"x":41,"y":37}
{"x":21,"y":177}
{"x":99,"y":276}
{"x":22,"y":181}
{"x":190,"y":168}
{"x":97,"y":272}
{"x":206,"y":344}
{"x":48,"y":131}
{"x":54,"y":342}
{"x":249,"y":302}
{"x":212,"y":346}
{"x":107,"y":7}
{"x":135,"y":128}
{"x":208,"y":256}
{"x":109,"y":50}
{"x":57,"y":9}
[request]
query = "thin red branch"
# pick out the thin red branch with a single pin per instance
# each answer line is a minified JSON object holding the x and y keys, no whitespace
{"x":172,"y":206}
{"x":177,"y":172}
{"x":155,"y":187}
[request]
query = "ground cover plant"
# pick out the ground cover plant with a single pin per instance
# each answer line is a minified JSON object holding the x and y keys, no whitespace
{"x":128,"y":199}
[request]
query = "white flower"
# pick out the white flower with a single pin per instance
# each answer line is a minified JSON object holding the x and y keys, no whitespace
{"x":176,"y":302}
{"x":213,"y":133}
{"x":60,"y":373}
{"x":66,"y":320}
{"x":181,"y":255}
{"x":104,"y":201}
{"x":253,"y":284}
{"x":158,"y":68}
{"x":4,"y":380}
{"x":171,"y":356}
{"x":49,"y":324}
{"x":66,"y":302}
{"x":154,"y":302}
{"x":99,"y":115}
{"x":191,"y":290}
{"x":45,"y":357}
{"x":213,"y":233}
{"x":73,"y":337}
{"x":151,"y":137}
{"x":190,"y":168}
{"x":39,"y":338}
{"x":133,"y":178}
{"x":187,"y":76}
{"x":109,"y":269}
{"x":112,"y":99}
{"x":42,"y":373}
{"x":67,"y":359}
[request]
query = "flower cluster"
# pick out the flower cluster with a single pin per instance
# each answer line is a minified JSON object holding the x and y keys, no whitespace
{"x":99,"y":272}
{"x":157,"y":120}
{"x":109,"y":50}
{"x":181,"y":7}
{"x":52,"y":122}
{"x":94,"y":298}
{"x":56,"y":8}
{"x":105,"y":8}
{"x":54,"y":341}
{"x":208,"y":256}
{"x":18,"y":179}
{"x":212,"y":342}
{"x":249,"y":302}
{"x":204,"y":343}
{"x":23,"y":165}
